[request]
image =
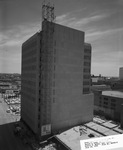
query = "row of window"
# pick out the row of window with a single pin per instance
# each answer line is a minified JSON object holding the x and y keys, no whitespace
{"x":28,"y":46}
{"x":28,"y":96}
{"x":30,"y":52}
{"x":87,"y":57}
{"x":29,"y":90}
{"x":112,"y":108}
{"x":87,"y":50}
{"x":28,"y":82}
{"x":28,"y":75}
{"x":106,"y":99}
{"x":86,"y":70}
{"x":86,"y":90}
{"x":86,"y":83}
{"x":87,"y":63}
{"x":86,"y":76}
{"x":29,"y":60}
{"x":31,"y":67}
{"x":105,"y":105}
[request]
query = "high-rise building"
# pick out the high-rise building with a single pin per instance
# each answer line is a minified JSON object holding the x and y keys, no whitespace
{"x":121,"y":73}
{"x":56,"y":66}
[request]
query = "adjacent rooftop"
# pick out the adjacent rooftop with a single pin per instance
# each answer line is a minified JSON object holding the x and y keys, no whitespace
{"x":97,"y":128}
{"x":117,"y":94}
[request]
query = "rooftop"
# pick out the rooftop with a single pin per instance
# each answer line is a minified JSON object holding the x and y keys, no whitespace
{"x":98,"y":127}
{"x":100,"y":87}
{"x":117,"y":94}
{"x":72,"y":137}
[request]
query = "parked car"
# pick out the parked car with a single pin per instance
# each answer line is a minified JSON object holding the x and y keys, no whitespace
{"x":17,"y":112}
{"x":8,"y":110}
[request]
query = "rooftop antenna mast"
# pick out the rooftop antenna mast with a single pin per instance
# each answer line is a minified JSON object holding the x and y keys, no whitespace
{"x":48,"y":12}
{"x":46,"y":64}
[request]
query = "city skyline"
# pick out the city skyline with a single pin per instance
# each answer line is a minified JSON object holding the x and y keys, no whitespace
{"x":100,"y":20}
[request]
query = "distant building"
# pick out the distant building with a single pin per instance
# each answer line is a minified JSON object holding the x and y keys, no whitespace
{"x":117,"y":85}
{"x":109,"y":104}
{"x":56,"y":66}
{"x":96,"y":80}
{"x":121,"y":73}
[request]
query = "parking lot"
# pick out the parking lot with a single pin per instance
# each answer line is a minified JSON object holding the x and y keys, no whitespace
{"x":8,"y":141}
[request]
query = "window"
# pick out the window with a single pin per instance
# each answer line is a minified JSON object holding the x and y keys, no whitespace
{"x":39,"y":108}
{"x":55,"y":42}
{"x":105,"y":98}
{"x":105,"y":106}
{"x":86,"y":76}
{"x":54,"y":59}
{"x":86,"y":90}
{"x":39,"y":116}
{"x":54,"y":51}
{"x":112,"y":108}
{"x":54,"y":75}
{"x":113,"y":105}
{"x":87,"y":63}
{"x":113,"y":100}
{"x":105,"y":103}
{"x":87,"y":50}
{"x":53,"y":99}
{"x":53,"y":92}
{"x":86,"y":83}
{"x":100,"y":103}
{"x":39,"y":100}
{"x":87,"y":70}
{"x":54,"y":83}
{"x":38,"y":125}
{"x":54,"y":67}
{"x":87,"y":57}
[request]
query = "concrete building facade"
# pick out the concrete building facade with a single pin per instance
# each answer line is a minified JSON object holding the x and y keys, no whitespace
{"x":56,"y":67}
{"x":30,"y":81}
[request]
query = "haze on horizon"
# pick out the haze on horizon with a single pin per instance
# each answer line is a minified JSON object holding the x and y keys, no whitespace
{"x":101,"y":20}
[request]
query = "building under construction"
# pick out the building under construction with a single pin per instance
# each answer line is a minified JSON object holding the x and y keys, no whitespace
{"x":56,"y":66}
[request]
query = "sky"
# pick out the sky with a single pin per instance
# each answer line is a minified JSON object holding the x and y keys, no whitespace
{"x":101,"y":20}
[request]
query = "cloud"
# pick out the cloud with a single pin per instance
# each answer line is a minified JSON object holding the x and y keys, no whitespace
{"x":17,"y":35}
{"x":66,"y":19}
{"x":87,"y":20}
{"x":61,"y":18}
{"x":93,"y":34}
{"x":10,"y":45}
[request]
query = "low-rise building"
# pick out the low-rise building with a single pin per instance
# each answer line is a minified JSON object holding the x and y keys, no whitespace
{"x":117,"y":85}
{"x":99,"y":127}
{"x":109,"y":104}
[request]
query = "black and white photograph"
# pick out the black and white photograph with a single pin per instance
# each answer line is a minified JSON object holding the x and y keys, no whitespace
{"x":61,"y":74}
